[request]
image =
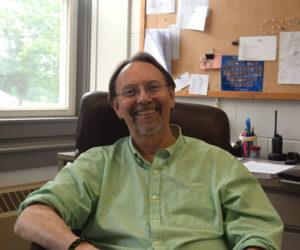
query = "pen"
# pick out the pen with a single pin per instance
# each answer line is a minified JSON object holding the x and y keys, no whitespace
{"x":248,"y":124}
{"x":245,"y":149}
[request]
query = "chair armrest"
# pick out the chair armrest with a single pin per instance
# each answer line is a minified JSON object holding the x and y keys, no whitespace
{"x":65,"y":157}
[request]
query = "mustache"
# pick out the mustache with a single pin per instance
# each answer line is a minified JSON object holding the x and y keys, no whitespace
{"x":143,"y":107}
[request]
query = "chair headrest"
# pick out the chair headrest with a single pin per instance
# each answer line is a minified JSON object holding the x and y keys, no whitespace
{"x":98,"y":125}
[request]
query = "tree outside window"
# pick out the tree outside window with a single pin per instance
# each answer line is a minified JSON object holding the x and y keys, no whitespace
{"x":30,"y":53}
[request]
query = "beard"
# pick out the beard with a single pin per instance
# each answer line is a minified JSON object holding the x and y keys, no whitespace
{"x":149,"y":126}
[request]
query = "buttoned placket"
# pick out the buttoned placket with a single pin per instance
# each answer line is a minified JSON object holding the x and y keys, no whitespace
{"x":156,"y":229}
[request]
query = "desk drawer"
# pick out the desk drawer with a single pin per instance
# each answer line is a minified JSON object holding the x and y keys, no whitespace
{"x":287,"y":205}
{"x":290,"y":241}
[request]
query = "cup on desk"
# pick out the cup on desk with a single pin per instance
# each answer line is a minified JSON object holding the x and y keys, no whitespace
{"x":254,"y":152}
{"x":247,"y":143}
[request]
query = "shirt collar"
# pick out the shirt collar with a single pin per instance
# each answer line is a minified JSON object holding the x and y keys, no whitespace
{"x":163,"y":153}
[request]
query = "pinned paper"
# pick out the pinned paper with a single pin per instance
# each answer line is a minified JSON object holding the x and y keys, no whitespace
{"x":289,"y":54}
{"x":182,"y":81}
{"x":192,"y":14}
{"x":158,"y":44}
{"x":160,"y":6}
{"x":199,"y":84}
{"x":175,"y":41}
{"x":215,"y":63}
{"x":258,"y":48}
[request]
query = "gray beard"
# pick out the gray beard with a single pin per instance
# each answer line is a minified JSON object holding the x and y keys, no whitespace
{"x":144,"y":130}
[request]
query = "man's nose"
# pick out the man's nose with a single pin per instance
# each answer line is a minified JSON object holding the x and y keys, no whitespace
{"x":143,"y":96}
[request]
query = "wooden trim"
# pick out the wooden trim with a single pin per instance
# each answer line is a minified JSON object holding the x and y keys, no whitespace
{"x":142,"y":24}
{"x":246,"y":95}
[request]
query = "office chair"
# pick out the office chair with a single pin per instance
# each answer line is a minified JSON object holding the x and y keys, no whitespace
{"x":98,"y":125}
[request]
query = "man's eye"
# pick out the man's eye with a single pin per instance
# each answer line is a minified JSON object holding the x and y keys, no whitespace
{"x":153,"y":88}
{"x":129,"y":92}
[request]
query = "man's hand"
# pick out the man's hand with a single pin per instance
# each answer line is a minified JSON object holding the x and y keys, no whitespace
{"x":86,"y":246}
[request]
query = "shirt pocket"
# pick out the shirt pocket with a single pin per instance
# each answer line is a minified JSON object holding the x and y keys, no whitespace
{"x":190,"y":209}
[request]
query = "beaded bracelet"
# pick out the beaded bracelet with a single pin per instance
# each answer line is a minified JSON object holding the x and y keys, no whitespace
{"x":76,"y":242}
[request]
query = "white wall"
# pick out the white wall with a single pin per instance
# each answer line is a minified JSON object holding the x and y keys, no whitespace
{"x":115,"y":37}
{"x":134,"y":34}
{"x":109,"y":41}
{"x":262,"y":115}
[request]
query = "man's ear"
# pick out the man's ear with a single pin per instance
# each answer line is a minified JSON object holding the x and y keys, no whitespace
{"x":115,"y":105}
{"x":172,"y":96}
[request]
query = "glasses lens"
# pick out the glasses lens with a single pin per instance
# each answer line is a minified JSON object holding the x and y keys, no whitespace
{"x":129,"y":92}
{"x":153,"y":88}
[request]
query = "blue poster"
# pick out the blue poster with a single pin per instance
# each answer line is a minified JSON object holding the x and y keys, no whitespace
{"x":241,"y":75}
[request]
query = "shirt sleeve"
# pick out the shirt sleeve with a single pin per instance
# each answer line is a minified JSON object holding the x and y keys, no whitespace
{"x":74,"y":190}
{"x":249,"y":217}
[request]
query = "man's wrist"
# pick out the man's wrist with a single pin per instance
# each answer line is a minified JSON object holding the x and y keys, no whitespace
{"x":76,"y":242}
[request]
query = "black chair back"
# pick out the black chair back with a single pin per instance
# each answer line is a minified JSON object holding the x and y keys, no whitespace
{"x":98,"y":124}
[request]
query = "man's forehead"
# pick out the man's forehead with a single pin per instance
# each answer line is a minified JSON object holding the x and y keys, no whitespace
{"x":140,"y":69}
{"x":139,"y":64}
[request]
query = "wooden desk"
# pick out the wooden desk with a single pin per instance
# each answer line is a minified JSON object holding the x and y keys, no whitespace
{"x":285,"y":198}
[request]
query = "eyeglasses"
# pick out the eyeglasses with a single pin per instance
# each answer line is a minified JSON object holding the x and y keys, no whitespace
{"x":134,"y":91}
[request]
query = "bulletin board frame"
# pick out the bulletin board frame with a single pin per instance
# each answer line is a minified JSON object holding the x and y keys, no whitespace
{"x":227,"y":22}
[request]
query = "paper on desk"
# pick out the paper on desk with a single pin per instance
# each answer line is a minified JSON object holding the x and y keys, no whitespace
{"x":258,"y":48}
{"x":289,"y":58}
{"x":199,"y":84}
{"x":158,"y":44}
{"x":266,"y":167}
{"x":160,"y":6}
{"x":192,"y":14}
{"x":182,"y":81}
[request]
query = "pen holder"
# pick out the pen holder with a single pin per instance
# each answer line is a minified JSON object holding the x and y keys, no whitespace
{"x":247,"y":143}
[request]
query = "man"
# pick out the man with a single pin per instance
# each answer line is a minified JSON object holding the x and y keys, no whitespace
{"x":156,"y":189}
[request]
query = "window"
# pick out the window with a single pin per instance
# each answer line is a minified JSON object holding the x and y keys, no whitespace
{"x":37,"y":57}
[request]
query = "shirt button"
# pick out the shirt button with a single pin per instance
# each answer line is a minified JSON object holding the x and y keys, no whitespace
{"x":154,"y":197}
{"x":156,"y":243}
{"x":155,"y":221}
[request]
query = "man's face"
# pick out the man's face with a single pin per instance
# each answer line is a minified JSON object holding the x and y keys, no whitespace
{"x":144,"y":114}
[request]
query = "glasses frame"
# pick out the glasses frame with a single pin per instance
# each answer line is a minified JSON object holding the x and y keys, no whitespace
{"x":146,"y":89}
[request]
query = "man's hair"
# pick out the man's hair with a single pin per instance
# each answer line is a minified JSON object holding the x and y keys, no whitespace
{"x":139,"y":57}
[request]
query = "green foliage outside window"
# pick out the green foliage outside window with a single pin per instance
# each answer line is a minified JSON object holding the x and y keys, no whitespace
{"x":30,"y":50}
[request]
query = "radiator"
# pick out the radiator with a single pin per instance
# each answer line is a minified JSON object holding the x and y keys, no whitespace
{"x":10,"y":199}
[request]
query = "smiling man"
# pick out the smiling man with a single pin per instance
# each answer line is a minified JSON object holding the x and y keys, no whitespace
{"x":155,"y":189}
{"x":144,"y":100}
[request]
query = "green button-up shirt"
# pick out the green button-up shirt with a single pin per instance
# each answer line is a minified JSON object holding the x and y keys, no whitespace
{"x":193,"y":196}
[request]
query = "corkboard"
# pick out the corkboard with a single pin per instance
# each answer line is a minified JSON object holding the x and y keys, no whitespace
{"x":227,"y":21}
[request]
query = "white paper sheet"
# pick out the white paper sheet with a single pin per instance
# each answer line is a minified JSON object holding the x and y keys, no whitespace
{"x":199,"y":84}
{"x":175,"y":41}
{"x":182,"y":81}
{"x":289,"y":58}
{"x":265,"y":167}
{"x":192,"y":14}
{"x":160,"y":6}
{"x":257,"y":48}
{"x":158,"y":44}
